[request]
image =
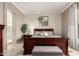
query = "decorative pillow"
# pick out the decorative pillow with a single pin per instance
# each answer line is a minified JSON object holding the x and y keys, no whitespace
{"x":43,"y":33}
{"x":48,"y":33}
{"x":38,"y":33}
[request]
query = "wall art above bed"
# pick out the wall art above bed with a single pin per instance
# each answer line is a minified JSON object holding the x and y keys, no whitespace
{"x":43,"y":20}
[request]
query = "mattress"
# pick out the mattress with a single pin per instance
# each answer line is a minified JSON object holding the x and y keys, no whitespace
{"x":47,"y":51}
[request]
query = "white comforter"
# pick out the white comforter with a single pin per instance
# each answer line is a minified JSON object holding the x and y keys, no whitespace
{"x":52,"y":36}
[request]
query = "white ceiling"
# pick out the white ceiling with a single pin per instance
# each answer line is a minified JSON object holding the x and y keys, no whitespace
{"x":41,"y":7}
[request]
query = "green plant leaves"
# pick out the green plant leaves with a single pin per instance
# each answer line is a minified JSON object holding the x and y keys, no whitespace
{"x":24,"y":28}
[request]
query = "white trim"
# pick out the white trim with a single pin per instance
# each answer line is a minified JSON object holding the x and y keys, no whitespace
{"x":67,"y":7}
{"x":60,"y":12}
{"x":17,"y":7}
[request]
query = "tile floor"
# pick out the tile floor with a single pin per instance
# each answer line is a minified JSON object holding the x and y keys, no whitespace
{"x":17,"y":50}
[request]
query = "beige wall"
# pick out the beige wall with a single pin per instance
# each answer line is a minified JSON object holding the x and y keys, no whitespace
{"x":78,"y":13}
{"x":55,"y":22}
{"x":65,"y":15}
{"x":78,"y":18}
{"x":1,"y":13}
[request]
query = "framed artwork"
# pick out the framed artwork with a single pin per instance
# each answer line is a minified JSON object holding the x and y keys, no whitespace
{"x":43,"y":21}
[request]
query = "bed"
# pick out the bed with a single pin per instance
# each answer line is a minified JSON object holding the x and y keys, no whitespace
{"x":45,"y":37}
{"x":45,"y":33}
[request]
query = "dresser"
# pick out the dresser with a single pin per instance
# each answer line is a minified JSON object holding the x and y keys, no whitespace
{"x":1,"y":39}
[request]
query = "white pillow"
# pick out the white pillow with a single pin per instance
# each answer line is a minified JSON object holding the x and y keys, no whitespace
{"x":48,"y":33}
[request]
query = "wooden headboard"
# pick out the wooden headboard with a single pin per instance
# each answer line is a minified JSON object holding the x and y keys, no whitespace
{"x":47,"y":29}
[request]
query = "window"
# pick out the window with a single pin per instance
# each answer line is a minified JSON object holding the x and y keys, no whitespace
{"x":9,"y":27}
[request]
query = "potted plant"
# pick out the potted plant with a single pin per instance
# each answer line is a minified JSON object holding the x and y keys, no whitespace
{"x":24,"y":28}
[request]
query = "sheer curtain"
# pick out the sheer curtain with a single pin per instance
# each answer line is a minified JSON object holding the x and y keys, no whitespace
{"x":14,"y":20}
{"x":72,"y":27}
{"x":9,"y":27}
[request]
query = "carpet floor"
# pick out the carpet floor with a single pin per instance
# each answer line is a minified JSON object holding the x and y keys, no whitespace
{"x":17,"y":50}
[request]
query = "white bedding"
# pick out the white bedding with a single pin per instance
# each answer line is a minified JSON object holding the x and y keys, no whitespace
{"x":52,"y":36}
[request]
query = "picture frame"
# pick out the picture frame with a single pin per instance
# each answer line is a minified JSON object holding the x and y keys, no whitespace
{"x":44,"y":21}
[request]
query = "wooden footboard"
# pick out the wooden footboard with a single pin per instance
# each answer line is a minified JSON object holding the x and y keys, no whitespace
{"x":29,"y":43}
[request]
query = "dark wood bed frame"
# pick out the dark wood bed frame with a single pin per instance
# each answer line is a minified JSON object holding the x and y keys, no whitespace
{"x":30,"y":42}
{"x":44,"y":30}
